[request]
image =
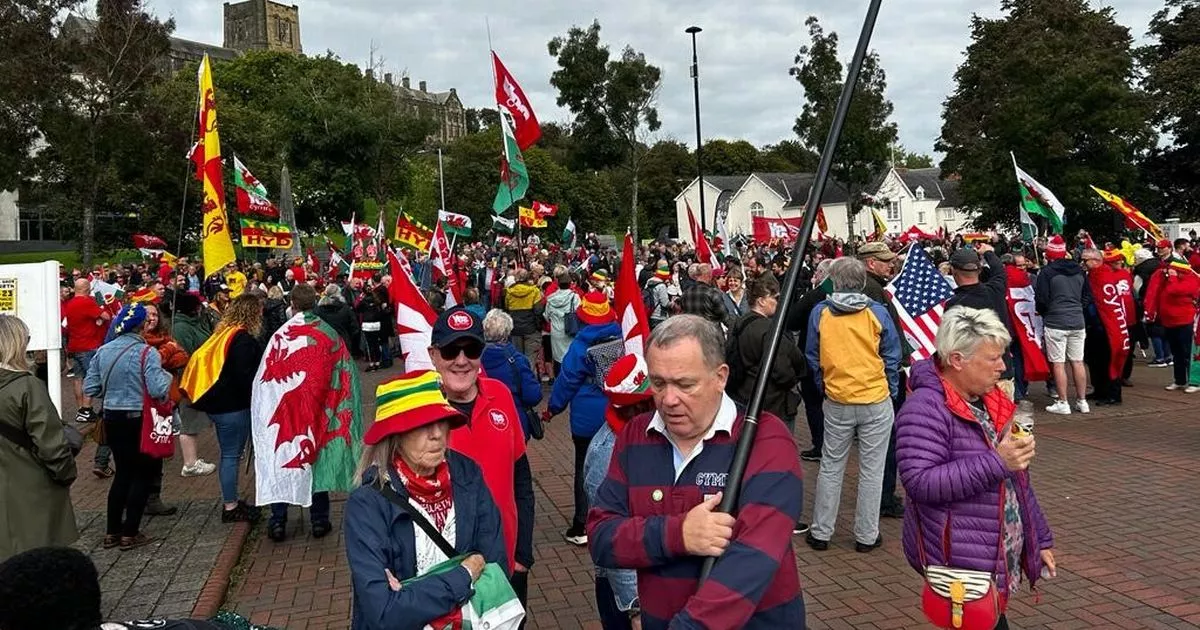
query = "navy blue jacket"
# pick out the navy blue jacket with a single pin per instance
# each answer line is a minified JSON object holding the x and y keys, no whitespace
{"x":574,"y":386}
{"x":502,"y":362}
{"x":379,"y":535}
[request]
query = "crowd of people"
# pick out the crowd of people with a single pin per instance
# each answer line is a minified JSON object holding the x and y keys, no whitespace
{"x":441,"y":490}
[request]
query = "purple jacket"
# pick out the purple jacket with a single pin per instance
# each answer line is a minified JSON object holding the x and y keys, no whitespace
{"x":954,"y":480}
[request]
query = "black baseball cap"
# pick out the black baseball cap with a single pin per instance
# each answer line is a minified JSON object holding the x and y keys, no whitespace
{"x":454,"y":324}
{"x":966,"y":259}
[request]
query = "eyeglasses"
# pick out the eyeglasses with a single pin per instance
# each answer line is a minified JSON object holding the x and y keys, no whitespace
{"x":451,"y":352}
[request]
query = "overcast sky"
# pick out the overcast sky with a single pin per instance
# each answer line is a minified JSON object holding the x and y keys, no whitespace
{"x":745,"y":50}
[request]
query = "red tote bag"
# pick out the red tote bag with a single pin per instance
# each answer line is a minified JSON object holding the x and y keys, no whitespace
{"x":158,"y":434}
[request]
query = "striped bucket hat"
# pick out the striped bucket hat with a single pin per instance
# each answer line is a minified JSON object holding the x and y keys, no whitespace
{"x":410,"y":401}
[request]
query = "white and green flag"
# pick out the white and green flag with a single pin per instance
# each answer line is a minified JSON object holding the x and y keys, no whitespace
{"x":503,"y":225}
{"x":1037,"y":200}
{"x":454,"y":223}
{"x":568,"y":235}
{"x":514,"y":177}
{"x":493,"y":605}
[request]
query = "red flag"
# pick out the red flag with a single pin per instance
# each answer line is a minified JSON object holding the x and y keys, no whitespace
{"x":314,"y":262}
{"x":544,"y":209}
{"x":631,"y":311}
{"x":443,"y":262}
{"x":414,"y":317}
{"x":1026,"y":323}
{"x":511,"y":97}
{"x":821,"y":223}
{"x":766,"y":229}
{"x":704,"y":251}
{"x":148,"y":241}
{"x":1113,"y":293}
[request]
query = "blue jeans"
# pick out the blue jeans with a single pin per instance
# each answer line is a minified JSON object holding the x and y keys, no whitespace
{"x":232,"y":431}
{"x":1162,"y":351}
{"x":1179,"y":338}
{"x":317,"y":513}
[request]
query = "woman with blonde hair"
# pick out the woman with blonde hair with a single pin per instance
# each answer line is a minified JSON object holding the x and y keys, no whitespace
{"x":36,"y":464}
{"x":218,"y":379}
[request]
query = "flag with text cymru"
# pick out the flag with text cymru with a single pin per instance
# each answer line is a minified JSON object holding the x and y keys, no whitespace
{"x":511,"y":98}
{"x":216,"y":242}
{"x":919,"y":294}
{"x":251,"y":194}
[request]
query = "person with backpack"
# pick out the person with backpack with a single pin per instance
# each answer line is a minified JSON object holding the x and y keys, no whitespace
{"x":580,"y":385}
{"x":655,"y":296}
{"x":746,"y":345}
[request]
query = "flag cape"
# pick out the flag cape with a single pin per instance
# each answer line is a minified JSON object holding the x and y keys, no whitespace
{"x":704,"y":251}
{"x":305,"y":414}
{"x":266,"y":234}
{"x":1026,"y":323}
{"x":568,"y":235}
{"x":631,"y":311}
{"x":217,"y":245}
{"x":108,"y":296}
{"x":1112,"y":291}
{"x":1134,"y":218}
{"x":454,"y":223}
{"x":544,"y":209}
{"x":251,"y":194}
{"x":443,"y":262}
{"x":414,"y":318}
{"x":1038,"y":200}
{"x":514,"y":176}
{"x":205,"y":365}
{"x":511,"y":98}
{"x":413,"y":233}
{"x":501,"y":224}
{"x":530,"y":219}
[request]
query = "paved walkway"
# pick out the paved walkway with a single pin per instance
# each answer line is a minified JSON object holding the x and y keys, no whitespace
{"x":1119,"y":487}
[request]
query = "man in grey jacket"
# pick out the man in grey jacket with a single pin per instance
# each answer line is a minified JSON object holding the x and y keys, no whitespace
{"x":1061,"y":295}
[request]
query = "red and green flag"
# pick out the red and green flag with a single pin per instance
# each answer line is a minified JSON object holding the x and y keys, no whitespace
{"x":514,"y":176}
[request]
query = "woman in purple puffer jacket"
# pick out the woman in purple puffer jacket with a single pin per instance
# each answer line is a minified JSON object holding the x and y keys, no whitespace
{"x":971,"y":504}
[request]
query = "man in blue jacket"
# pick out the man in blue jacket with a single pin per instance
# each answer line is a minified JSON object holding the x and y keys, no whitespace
{"x":579,"y":385}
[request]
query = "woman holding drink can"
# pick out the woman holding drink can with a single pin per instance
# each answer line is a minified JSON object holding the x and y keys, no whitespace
{"x":974,"y":527}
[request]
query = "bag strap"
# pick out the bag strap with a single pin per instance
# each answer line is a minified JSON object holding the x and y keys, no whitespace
{"x":512,"y":366}
{"x":418,"y":519}
{"x":107,"y":374}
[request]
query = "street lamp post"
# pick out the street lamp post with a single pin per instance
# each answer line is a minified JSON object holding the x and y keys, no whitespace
{"x":692,"y":30}
{"x":441,"y":179}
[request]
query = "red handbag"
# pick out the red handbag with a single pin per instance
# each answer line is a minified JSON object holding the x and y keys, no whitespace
{"x":158,"y":432}
{"x":957,"y":599}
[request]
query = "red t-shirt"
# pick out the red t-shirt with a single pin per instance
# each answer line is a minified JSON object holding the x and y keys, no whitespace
{"x":298,"y":274}
{"x":85,"y":328}
{"x":493,"y":439}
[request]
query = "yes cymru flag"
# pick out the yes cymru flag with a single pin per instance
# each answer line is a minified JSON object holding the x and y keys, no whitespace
{"x":511,"y":98}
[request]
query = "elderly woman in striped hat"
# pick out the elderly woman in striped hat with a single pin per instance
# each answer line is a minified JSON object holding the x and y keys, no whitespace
{"x":417,"y":497}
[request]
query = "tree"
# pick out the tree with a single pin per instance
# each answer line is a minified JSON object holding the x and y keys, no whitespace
{"x":1051,"y":81}
{"x":668,"y":166}
{"x":616,"y":97}
{"x":1173,"y":83}
{"x":730,"y":157}
{"x":864,"y":148}
{"x":787,"y":156}
{"x":479,"y":119}
{"x":904,"y":159}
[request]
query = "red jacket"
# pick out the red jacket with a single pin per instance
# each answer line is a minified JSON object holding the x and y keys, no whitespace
{"x":1171,"y":297}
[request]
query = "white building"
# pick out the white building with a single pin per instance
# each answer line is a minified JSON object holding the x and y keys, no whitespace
{"x":917,"y":197}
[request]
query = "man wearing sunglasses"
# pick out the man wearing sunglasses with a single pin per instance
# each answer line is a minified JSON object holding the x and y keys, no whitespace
{"x":492,"y":436}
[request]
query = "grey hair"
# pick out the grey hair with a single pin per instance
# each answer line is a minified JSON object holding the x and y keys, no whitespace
{"x":331,"y":295}
{"x":497,"y":325}
{"x":964,"y":329}
{"x":848,"y":275}
{"x":680,"y":327}
{"x":379,"y":456}
{"x":703,"y":269}
{"x":821,"y":273}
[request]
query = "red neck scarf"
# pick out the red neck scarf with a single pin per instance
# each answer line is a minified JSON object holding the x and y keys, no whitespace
{"x":434,"y":493}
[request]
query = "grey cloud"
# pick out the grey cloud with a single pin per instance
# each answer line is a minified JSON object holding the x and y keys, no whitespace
{"x":745,"y":50}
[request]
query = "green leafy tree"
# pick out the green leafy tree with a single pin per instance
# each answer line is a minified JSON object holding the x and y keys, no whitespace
{"x":1172,"y":65}
{"x":610,"y":98}
{"x":787,"y":156}
{"x":669,"y":165}
{"x":905,"y":159}
{"x":471,"y":165}
{"x":864,"y":148}
{"x":1051,"y":81}
{"x":730,"y":157}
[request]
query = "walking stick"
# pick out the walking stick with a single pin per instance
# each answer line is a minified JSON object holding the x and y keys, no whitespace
{"x":737,"y":469}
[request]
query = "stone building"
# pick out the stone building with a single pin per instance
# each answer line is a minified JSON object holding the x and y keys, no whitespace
{"x":262,"y":25}
{"x":443,"y":107}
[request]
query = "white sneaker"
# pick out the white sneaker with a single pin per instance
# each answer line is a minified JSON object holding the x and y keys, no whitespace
{"x":199,"y":469}
{"x":1191,"y":389}
{"x":1082,"y":407}
{"x":1060,"y":407}
{"x":1172,"y":387}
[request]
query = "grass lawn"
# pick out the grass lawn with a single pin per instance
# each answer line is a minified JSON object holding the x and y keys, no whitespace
{"x":68,"y":258}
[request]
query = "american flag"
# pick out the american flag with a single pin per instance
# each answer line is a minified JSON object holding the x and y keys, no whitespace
{"x":919,"y":294}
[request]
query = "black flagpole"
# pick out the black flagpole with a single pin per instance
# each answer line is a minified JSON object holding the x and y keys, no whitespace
{"x":746,"y":440}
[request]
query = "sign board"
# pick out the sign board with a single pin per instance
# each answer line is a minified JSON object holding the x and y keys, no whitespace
{"x":31,"y":291}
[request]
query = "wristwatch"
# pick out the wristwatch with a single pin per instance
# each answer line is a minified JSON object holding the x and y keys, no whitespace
{"x":635,"y":609}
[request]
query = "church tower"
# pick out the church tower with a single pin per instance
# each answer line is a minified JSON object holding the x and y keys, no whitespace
{"x":262,"y":25}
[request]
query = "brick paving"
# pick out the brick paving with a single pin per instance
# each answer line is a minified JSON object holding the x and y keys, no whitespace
{"x":1118,"y":487}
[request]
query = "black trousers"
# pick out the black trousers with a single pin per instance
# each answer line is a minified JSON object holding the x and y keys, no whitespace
{"x":135,"y":473}
{"x":888,"y":497}
{"x":813,"y":412}
{"x":1097,"y":356}
{"x":1179,"y":338}
{"x":579,"y":519}
{"x":611,"y":617}
{"x":520,"y":583}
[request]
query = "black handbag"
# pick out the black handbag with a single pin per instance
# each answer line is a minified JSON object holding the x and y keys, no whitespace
{"x":536,"y":430}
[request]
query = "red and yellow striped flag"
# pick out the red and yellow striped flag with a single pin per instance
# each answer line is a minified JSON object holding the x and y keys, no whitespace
{"x":214,"y":226}
{"x":1133,"y":217}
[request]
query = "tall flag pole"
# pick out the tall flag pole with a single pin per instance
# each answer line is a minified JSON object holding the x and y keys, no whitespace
{"x":217,"y":245}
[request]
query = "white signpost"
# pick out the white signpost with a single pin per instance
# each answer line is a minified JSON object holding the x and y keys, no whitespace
{"x":30,"y":291}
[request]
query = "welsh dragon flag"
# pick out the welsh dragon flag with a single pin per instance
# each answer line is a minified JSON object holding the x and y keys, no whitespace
{"x":1037,"y":200}
{"x":305,"y":414}
{"x":251,"y":194}
{"x":514,"y":177}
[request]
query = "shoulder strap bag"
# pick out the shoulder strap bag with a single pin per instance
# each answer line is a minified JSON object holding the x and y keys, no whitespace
{"x":536,"y":430}
{"x":418,"y":519}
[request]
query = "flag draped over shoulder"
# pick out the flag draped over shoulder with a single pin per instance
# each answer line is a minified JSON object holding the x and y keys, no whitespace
{"x":1026,"y":323}
{"x":631,"y":311}
{"x":1134,"y":218}
{"x":305,"y":414}
{"x":1037,"y":200}
{"x":1112,"y":291}
{"x":217,"y":245}
{"x":205,"y":365}
{"x":414,"y":317}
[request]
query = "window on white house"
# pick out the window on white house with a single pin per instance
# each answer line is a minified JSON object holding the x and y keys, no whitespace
{"x":921,"y":218}
{"x":893,"y":211}
{"x":756,"y":209}
{"x":920,"y":191}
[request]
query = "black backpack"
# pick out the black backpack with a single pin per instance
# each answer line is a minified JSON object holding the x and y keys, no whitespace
{"x":733,"y":357}
{"x":648,"y":300}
